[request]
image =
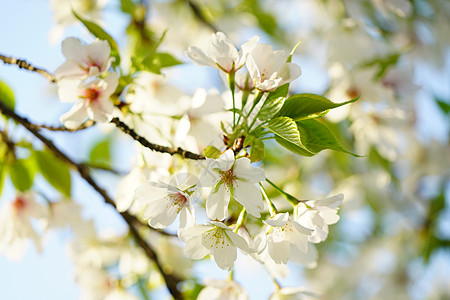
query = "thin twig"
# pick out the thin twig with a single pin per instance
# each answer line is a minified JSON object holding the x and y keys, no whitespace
{"x":122,"y":126}
{"x":87,"y":124}
{"x":23,"y":64}
{"x":171,"y":280}
{"x":158,"y":148}
{"x":196,"y":9}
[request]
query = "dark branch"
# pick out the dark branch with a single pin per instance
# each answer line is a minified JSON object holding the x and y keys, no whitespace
{"x":158,"y":148}
{"x":196,"y":9}
{"x":122,"y":126}
{"x":84,"y":171}
{"x":25,"y":65}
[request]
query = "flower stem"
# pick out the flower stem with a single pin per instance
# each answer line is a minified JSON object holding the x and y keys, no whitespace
{"x":273,"y":210}
{"x":240,"y":220}
{"x":294,"y":201}
{"x":232,"y":88}
{"x":255,"y":101}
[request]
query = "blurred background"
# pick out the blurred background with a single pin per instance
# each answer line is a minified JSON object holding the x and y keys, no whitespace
{"x":393,"y":239}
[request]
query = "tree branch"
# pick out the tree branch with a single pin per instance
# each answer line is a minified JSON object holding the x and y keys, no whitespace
{"x":196,"y":9}
{"x":25,"y":65}
{"x":171,"y":280}
{"x":158,"y":148}
{"x":87,"y":124}
{"x":122,"y":126}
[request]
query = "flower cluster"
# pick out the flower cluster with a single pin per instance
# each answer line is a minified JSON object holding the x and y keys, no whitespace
{"x":84,"y":79}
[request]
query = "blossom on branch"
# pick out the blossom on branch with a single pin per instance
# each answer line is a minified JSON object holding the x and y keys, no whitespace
{"x":269,"y":69}
{"x":165,"y":201}
{"x":215,"y":239}
{"x":222,"y":289}
{"x":221,"y":53}
{"x":285,"y":237}
{"x":84,"y":60}
{"x":93,"y":96}
{"x":318,"y":214}
{"x":15,"y":226}
{"x":232,"y":179}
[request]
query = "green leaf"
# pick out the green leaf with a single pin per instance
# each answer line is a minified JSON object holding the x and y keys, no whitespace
{"x":21,"y":176}
{"x":304,"y":106}
{"x":54,"y":171}
{"x":2,"y":175}
{"x":293,"y":51}
{"x":443,"y":105}
{"x":98,"y":32}
{"x":270,"y":108}
{"x":212,"y":152}
{"x":256,"y":150}
{"x":167,"y":60}
{"x":7,"y":95}
{"x":317,"y":137}
{"x":286,"y":129}
{"x":128,"y":6}
{"x":100,"y":152}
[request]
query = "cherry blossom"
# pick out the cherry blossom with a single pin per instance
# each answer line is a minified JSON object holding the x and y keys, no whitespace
{"x":221,"y":53}
{"x":93,"y":100}
{"x":15,"y":225}
{"x":215,"y":239}
{"x":318,"y":214}
{"x":84,"y":60}
{"x":165,"y":201}
{"x":232,"y":179}
{"x":284,"y":234}
{"x":269,"y":69}
{"x":292,"y":293}
{"x":222,"y":289}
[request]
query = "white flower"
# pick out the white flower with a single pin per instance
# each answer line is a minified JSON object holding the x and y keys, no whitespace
{"x":291,"y":293}
{"x":165,"y":201}
{"x":232,"y":178}
{"x":318,"y":214}
{"x":221,"y":53}
{"x":222,"y":289}
{"x":16,"y":228}
{"x":284,"y":234}
{"x":93,"y":96}
{"x":199,"y":121}
{"x":269,"y":68}
{"x":215,"y":239}
{"x":84,"y":60}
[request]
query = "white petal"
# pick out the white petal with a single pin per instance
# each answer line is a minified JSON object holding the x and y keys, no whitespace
{"x":199,"y":57}
{"x":244,"y":171}
{"x":225,"y":161}
{"x":279,"y":251}
{"x":112,"y":81}
{"x":194,"y":231}
{"x":70,"y":69}
{"x":289,"y":72}
{"x":194,"y":248}
{"x":278,"y":220}
{"x":99,"y":52}
{"x":308,"y":259}
{"x":249,"y":195}
{"x":68,"y":90}
{"x":187,"y":217}
{"x":73,"y":49}
{"x":149,"y":191}
{"x":165,"y":217}
{"x":332,"y":202}
{"x":217,"y":203}
{"x":75,"y":116}
{"x":239,"y":241}
{"x":156,"y":207}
